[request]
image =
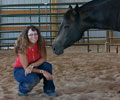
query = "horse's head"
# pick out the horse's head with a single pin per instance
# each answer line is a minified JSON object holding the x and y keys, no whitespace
{"x":69,"y":32}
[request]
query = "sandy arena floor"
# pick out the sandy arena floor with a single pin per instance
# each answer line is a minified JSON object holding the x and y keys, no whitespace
{"x":78,"y":75}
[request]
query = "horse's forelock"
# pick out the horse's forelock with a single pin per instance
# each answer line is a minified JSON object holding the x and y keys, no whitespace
{"x":68,"y":14}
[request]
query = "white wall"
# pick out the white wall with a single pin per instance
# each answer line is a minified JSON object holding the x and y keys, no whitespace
{"x":23,"y":1}
{"x":116,"y":34}
{"x":73,"y":0}
{"x":34,"y":19}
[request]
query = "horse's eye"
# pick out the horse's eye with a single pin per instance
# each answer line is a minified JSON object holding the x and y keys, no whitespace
{"x":67,"y":26}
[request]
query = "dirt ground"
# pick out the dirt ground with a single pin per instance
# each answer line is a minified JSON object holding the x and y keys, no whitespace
{"x":78,"y":75}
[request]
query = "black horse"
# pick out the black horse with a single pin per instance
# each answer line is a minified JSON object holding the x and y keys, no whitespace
{"x":97,"y":14}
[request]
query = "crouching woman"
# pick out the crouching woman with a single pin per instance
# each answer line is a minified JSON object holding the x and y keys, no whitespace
{"x":31,"y":66}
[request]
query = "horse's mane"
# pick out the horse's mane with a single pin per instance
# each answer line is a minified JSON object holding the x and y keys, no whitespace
{"x":94,"y":4}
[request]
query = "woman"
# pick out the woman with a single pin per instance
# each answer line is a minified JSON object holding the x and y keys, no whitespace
{"x":31,"y":66}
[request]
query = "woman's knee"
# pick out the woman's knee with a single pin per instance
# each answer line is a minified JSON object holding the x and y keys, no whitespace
{"x":48,"y":67}
{"x":33,"y":79}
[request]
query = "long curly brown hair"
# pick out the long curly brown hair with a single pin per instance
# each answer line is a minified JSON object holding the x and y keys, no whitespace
{"x":22,"y":42}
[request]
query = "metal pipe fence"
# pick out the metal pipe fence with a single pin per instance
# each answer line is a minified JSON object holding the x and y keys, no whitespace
{"x":47,"y":16}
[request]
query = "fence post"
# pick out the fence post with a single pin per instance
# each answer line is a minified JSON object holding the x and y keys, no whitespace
{"x":0,"y":22}
{"x":39,"y":16}
{"x":88,"y":41}
{"x":54,"y":18}
{"x":107,"y":43}
{"x":117,"y":49}
{"x":97,"y":48}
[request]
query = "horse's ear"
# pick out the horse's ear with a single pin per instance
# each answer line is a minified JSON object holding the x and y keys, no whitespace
{"x":76,"y":10}
{"x":76,"y":7}
{"x":70,"y":7}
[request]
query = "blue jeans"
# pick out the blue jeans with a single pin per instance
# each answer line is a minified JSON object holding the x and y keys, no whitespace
{"x":26,"y":83}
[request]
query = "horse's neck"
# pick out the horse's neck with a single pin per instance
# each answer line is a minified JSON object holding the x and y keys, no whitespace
{"x":103,"y":24}
{"x":97,"y":18}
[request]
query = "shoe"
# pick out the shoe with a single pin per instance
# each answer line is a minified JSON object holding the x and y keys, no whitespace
{"x":22,"y":94}
{"x":118,"y":92}
{"x":52,"y":94}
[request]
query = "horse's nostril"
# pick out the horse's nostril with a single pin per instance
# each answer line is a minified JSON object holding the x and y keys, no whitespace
{"x":54,"y":49}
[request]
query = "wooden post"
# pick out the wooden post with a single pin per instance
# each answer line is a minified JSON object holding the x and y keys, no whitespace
{"x":54,"y":18}
{"x":107,"y":47}
{"x":111,"y":33}
{"x":97,"y":48}
{"x":117,"y":49}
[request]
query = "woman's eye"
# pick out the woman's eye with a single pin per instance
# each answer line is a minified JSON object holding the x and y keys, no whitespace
{"x":67,"y":26}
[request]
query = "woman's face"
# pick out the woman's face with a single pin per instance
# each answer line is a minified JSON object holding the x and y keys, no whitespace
{"x":32,"y":36}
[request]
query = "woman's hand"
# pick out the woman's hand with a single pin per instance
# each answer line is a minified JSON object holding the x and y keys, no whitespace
{"x":28,"y":70}
{"x":47,"y":75}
